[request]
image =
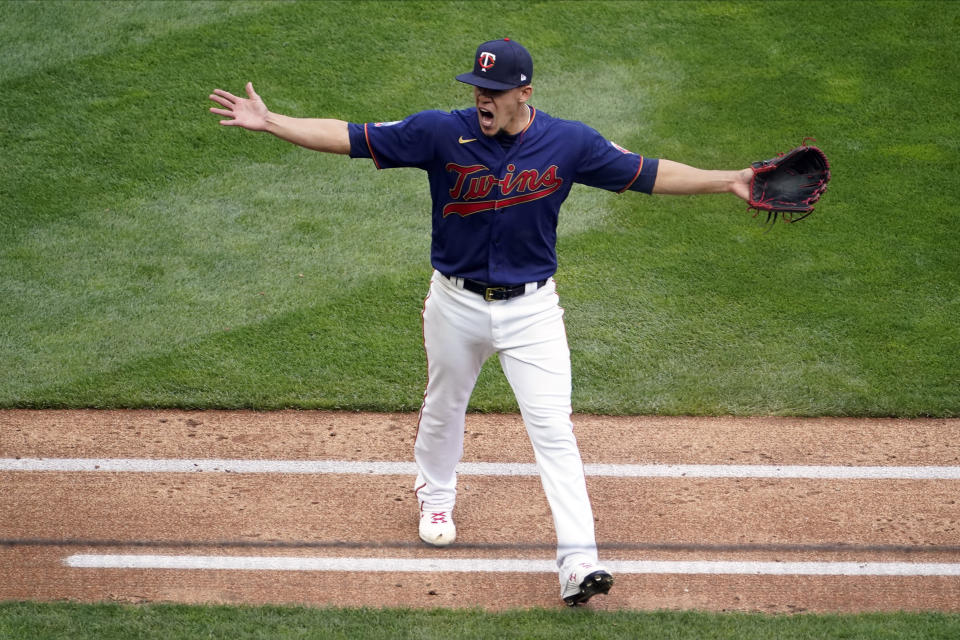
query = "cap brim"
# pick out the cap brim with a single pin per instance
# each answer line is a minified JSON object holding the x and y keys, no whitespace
{"x":486,"y":83}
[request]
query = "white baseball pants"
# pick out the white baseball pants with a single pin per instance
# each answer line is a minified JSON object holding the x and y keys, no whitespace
{"x":461,"y":331}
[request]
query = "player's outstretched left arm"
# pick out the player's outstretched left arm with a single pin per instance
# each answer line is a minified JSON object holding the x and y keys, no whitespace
{"x":674,"y":178}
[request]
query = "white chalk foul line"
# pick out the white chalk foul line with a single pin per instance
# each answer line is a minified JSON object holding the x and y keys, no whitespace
{"x":176,"y":465}
{"x":502,"y":565}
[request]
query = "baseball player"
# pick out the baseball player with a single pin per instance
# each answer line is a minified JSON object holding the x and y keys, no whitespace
{"x":498,"y":173}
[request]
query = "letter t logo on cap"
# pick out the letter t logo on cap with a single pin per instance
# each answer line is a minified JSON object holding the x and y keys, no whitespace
{"x":487,"y":60}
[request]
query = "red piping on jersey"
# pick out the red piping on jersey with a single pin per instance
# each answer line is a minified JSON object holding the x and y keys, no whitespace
{"x":635,"y":176}
{"x":366,"y":136}
{"x":533,"y":114}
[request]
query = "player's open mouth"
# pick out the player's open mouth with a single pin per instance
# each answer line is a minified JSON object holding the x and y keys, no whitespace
{"x":486,"y":117}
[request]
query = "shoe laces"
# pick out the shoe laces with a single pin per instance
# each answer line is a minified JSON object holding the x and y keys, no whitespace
{"x":438,"y":517}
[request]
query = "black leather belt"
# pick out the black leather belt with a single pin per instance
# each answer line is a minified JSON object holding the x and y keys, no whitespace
{"x":491,"y":292}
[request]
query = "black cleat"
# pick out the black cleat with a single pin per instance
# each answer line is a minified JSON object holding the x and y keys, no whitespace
{"x":596,"y":582}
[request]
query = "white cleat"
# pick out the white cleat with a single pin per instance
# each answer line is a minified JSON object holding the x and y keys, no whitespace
{"x":584,"y":581}
{"x":437,"y":528}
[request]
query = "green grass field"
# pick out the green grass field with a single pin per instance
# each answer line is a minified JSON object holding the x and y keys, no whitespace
{"x":151,"y":258}
{"x":176,"y":622}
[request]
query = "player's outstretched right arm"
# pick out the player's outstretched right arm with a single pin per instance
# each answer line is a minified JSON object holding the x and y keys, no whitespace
{"x":251,"y":113}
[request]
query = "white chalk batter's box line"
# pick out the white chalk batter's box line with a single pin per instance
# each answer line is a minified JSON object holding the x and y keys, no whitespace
{"x":176,"y":465}
{"x":502,"y":565}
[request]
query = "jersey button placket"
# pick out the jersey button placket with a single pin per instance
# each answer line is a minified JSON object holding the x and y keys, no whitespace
{"x":495,"y":258}
{"x":496,"y":235}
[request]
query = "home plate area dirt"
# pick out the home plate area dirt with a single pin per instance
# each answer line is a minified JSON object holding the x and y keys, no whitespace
{"x":316,"y":508}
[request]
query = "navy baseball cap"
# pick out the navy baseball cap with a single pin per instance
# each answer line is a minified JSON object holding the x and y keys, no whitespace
{"x":500,"y":65}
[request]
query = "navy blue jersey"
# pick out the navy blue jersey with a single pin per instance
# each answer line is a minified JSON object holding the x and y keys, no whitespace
{"x":495,"y":210}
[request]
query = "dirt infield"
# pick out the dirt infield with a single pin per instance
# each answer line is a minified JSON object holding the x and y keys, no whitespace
{"x":708,"y":535}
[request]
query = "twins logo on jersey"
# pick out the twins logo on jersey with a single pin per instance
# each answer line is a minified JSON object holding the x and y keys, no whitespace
{"x":474,"y":183}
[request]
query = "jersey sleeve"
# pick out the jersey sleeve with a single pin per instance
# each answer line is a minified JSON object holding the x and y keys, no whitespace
{"x":404,"y":143}
{"x":606,"y":165}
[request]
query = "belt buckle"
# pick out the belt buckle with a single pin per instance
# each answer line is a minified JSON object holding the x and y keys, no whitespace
{"x":489,"y":291}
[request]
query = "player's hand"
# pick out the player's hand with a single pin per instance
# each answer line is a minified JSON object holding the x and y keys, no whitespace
{"x":249,"y":113}
{"x":741,"y":186}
